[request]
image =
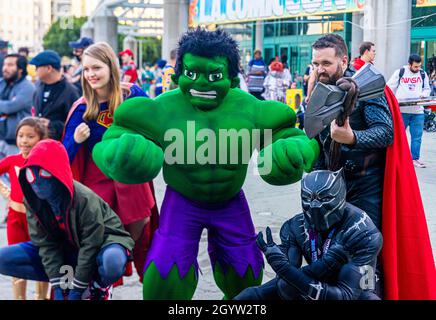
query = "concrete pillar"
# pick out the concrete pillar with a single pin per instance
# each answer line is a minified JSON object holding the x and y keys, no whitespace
{"x":87,"y":30}
{"x":131,"y":43}
{"x":175,"y":23}
{"x":106,"y":28}
{"x":356,"y":33}
{"x":387,"y":24}
{"x":258,"y":37}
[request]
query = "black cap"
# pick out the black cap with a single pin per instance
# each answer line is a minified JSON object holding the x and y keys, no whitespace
{"x":81,"y":43}
{"x":47,"y":58}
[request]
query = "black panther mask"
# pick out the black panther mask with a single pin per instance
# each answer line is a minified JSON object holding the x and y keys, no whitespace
{"x":323,"y":198}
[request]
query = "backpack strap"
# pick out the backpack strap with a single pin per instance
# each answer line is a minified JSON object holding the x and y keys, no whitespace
{"x":401,"y":74}
{"x":422,"y":72}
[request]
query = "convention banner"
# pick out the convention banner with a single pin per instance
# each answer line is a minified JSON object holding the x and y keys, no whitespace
{"x":228,"y":11}
{"x":425,"y":3}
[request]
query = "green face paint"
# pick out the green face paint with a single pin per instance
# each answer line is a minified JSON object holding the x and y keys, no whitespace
{"x":204,"y":81}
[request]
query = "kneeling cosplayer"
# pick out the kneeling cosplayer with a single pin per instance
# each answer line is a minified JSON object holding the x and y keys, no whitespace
{"x":338,"y":240}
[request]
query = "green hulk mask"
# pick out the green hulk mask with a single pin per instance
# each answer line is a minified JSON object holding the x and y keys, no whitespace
{"x":205,"y":82}
{"x":188,"y":122}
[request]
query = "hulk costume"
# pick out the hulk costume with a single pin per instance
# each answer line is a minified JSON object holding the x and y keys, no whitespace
{"x":202,"y":194}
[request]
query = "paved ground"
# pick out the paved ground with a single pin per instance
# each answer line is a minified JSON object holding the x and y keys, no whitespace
{"x":270,"y":206}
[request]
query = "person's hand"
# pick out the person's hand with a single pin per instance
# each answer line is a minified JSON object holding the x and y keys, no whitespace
{"x":350,"y":86}
{"x":82,"y":133}
{"x":276,"y":258}
{"x":269,"y":248}
{"x":58,"y":294}
{"x":75,"y":294}
{"x":342,"y":134}
{"x":286,"y":159}
{"x":45,"y":122}
{"x":129,"y":159}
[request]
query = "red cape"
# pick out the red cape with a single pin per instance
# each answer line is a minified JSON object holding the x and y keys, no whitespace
{"x":407,"y":257}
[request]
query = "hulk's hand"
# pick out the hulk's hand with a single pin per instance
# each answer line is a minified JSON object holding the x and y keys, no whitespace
{"x":129,"y":159}
{"x":284,"y":161}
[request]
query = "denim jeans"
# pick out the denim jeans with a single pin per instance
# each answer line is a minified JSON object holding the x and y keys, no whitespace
{"x":416,"y":123}
{"x":23,"y":261}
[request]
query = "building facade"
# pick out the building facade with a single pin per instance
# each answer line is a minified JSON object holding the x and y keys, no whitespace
{"x":24,"y":22}
{"x":289,"y":27}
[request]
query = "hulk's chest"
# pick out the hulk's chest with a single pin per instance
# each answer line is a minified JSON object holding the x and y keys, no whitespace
{"x":215,"y":126}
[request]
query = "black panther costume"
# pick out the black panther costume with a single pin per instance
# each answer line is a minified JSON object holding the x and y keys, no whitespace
{"x":338,"y":240}
{"x":364,"y":162}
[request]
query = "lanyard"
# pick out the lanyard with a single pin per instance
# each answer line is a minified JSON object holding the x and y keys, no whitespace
{"x":313,"y":235}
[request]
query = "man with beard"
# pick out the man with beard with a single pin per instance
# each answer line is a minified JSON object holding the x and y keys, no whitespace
{"x":79,"y":47}
{"x":411,"y":82}
{"x":16,"y":93}
{"x":364,"y":136}
{"x":359,"y":144}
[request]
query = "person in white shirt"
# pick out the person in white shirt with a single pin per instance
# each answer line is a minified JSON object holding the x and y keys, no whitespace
{"x":408,"y":82}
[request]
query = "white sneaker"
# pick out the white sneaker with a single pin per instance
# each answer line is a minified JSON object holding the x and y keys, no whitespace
{"x":418,"y":164}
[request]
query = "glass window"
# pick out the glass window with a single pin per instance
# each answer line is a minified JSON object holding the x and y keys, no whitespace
{"x":422,"y":12}
{"x":269,"y":54}
{"x":288,"y":27}
{"x":268,"y":29}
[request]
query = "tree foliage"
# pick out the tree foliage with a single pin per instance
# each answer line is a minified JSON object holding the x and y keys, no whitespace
{"x":61,"y":32}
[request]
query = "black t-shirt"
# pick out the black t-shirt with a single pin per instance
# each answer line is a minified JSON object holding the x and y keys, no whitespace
{"x":49,"y":92}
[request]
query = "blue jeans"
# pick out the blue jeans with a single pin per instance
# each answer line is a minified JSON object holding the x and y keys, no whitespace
{"x":416,"y":123}
{"x":22,"y":261}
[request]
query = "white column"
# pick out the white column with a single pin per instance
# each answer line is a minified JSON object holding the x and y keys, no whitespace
{"x":175,"y":22}
{"x":387,"y":24}
{"x":131,"y":43}
{"x":356,"y":33}
{"x":87,"y":30}
{"x":106,"y":28}
{"x":258,"y":38}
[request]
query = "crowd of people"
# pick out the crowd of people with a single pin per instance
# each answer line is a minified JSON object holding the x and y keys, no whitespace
{"x":79,"y":176}
{"x":74,"y":108}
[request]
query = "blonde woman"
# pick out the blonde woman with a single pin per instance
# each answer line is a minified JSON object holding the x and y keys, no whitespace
{"x":88,"y":120}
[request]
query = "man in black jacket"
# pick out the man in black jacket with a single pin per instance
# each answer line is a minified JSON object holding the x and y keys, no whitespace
{"x":54,"y":95}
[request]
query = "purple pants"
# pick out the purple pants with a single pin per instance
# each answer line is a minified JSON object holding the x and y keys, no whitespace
{"x":231,"y":235}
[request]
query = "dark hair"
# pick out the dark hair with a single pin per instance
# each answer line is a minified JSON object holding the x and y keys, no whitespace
{"x":414,"y":58}
{"x":21,"y":62}
{"x":173,"y":54}
{"x":332,"y":41}
{"x":365,"y":46}
{"x":36,"y":124}
{"x":24,"y":49}
{"x":209,"y":44}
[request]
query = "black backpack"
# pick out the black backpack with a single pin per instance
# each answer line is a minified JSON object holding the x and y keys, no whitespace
{"x":402,"y":70}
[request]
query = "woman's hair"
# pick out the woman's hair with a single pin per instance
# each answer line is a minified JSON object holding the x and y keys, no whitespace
{"x":104,"y":53}
{"x":36,"y":124}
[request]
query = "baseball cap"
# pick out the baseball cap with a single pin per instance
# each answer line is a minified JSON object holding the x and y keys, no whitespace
{"x":47,"y":58}
{"x":127,"y":51}
{"x":3,"y":44}
{"x":82,"y":43}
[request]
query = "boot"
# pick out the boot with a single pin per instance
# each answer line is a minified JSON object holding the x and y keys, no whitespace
{"x":41,"y":290}
{"x":19,"y":287}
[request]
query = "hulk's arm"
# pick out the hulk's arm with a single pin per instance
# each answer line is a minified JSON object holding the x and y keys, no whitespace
{"x":129,"y":151}
{"x":290,"y":151}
